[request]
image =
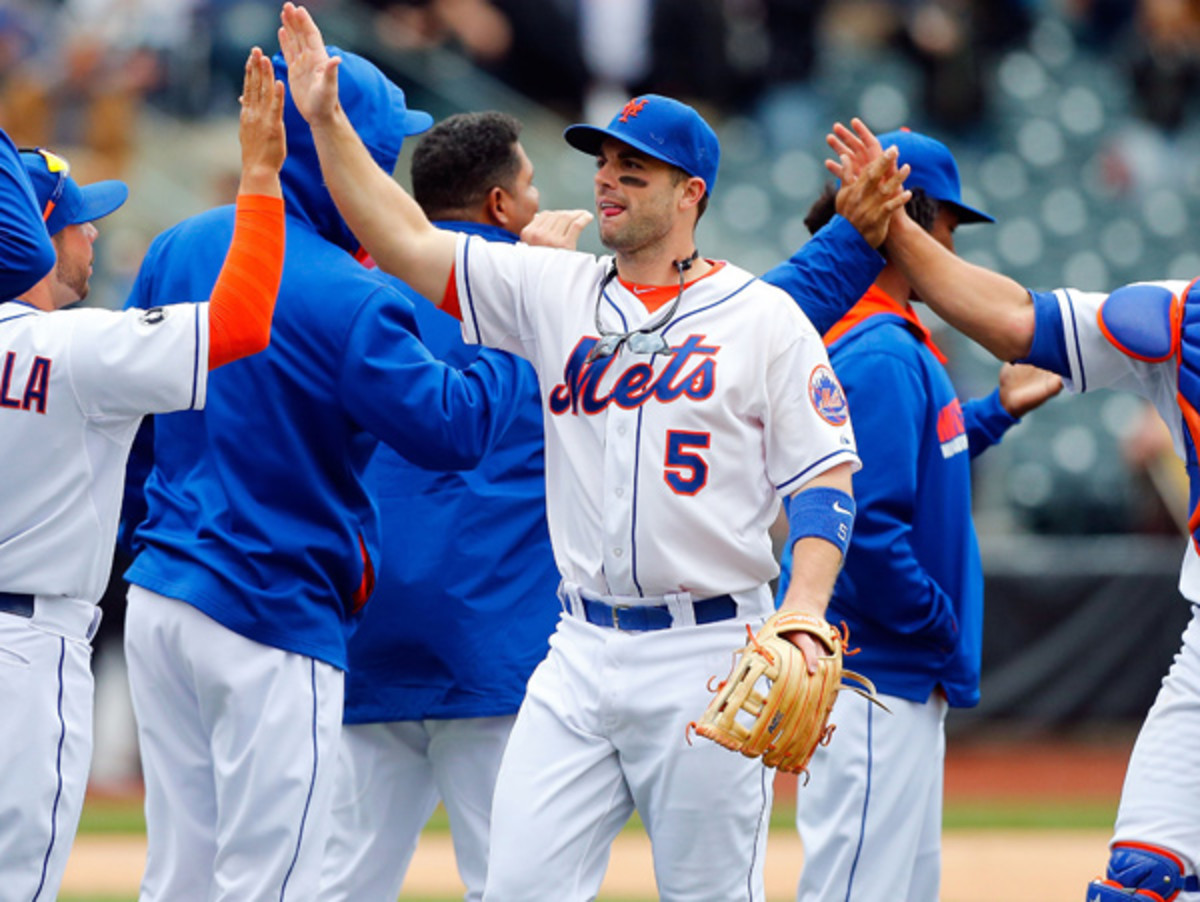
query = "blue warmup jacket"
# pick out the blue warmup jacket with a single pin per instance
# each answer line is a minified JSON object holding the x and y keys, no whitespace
{"x":911,"y":590}
{"x":829,"y":273}
{"x":26,"y":254}
{"x":256,"y":512}
{"x":466,"y":599}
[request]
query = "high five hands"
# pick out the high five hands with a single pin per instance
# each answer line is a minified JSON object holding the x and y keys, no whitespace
{"x":872,"y":187}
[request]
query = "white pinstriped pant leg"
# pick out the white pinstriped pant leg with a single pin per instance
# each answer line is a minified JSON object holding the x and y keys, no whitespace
{"x":603,"y":725}
{"x":239,"y":744}
{"x":1161,"y":795}
{"x":390,"y":777}
{"x":46,"y":721}
{"x":870,"y":815}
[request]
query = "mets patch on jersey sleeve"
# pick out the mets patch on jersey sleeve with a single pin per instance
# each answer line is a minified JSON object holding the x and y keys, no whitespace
{"x":827,"y":397}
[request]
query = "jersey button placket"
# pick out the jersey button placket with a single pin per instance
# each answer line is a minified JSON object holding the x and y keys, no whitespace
{"x":620,"y":453}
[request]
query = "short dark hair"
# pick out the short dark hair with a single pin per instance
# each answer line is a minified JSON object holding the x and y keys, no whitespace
{"x":922,"y":208}
{"x":462,"y":158}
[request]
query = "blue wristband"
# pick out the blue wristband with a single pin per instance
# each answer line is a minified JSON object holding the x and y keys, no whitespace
{"x":823,"y":512}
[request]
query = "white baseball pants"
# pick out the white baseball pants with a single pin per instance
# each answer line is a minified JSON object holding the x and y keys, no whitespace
{"x":390,"y":777}
{"x":602,"y":732}
{"x":1160,"y":802}
{"x":870,"y":816}
{"x":239,"y":747}
{"x":46,"y":750}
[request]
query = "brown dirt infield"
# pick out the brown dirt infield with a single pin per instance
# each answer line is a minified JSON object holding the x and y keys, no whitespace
{"x":979,"y":865}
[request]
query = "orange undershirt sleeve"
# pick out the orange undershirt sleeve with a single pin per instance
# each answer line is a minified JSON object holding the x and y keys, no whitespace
{"x":243,"y":300}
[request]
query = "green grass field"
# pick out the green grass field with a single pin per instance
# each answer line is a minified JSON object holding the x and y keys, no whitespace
{"x":118,"y":817}
{"x":124,"y":817}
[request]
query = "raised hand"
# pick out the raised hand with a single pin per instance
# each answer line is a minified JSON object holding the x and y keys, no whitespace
{"x":855,"y":149}
{"x":312,"y":72}
{"x":260,"y":130}
{"x":556,"y":228}
{"x":871,"y":198}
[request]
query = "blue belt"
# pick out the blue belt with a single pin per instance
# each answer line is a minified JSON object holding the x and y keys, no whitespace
{"x":639,"y":618}
{"x":17,"y":605}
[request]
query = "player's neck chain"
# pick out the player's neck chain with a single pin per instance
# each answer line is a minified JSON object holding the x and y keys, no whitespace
{"x":648,"y":339}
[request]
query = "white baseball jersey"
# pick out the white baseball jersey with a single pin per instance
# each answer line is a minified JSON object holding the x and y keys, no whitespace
{"x":74,"y":385}
{"x":664,"y":472}
{"x":1097,"y":363}
{"x":1160,"y":797}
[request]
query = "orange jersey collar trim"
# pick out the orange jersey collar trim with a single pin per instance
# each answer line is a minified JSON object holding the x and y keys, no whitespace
{"x":655,"y":296}
{"x":874,"y":302}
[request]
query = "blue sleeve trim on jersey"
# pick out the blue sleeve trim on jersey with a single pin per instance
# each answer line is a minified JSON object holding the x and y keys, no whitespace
{"x":1136,"y":319}
{"x":1049,"y":348}
{"x":470,"y":293}
{"x":9,"y":319}
{"x":804,"y":473}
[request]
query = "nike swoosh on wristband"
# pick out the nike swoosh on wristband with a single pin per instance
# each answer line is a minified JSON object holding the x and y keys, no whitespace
{"x":837,"y":506}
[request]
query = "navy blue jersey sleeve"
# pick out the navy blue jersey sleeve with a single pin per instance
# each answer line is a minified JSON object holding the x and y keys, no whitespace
{"x":889,"y":583}
{"x":435,"y":415}
{"x":26,"y":254}
{"x":828,"y":275}
{"x":986,"y":421}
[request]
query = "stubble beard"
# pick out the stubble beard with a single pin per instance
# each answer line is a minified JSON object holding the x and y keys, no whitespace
{"x":73,"y":278}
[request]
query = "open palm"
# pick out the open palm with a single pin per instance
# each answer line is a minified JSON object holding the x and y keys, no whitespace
{"x":312,"y":72}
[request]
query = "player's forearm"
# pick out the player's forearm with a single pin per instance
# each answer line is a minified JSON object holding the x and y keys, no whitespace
{"x":986,"y":306}
{"x":382,"y":215}
{"x":815,"y":566}
{"x":261,"y":179}
{"x":817,"y":555}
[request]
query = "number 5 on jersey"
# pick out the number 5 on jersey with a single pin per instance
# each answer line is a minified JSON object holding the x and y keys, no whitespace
{"x":685,"y":471}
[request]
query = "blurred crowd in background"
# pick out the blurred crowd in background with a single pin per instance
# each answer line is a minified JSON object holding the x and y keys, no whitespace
{"x":75,"y":72}
{"x":1074,"y":122}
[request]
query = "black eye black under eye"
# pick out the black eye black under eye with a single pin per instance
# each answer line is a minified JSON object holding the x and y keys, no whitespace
{"x":632,"y":181}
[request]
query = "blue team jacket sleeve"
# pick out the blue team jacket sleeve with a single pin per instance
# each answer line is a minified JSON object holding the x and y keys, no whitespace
{"x":26,"y":254}
{"x":887,"y":582}
{"x":986,"y":421}
{"x":435,"y":415}
{"x":828,"y":275}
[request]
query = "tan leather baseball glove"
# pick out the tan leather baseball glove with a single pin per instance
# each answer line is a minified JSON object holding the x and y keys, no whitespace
{"x":784,"y":725}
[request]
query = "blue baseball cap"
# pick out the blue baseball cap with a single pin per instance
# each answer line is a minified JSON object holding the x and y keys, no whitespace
{"x":933,"y":170}
{"x":61,"y":199}
{"x":662,"y":128}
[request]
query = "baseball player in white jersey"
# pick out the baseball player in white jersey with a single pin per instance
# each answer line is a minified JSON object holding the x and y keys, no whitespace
{"x":74,"y":386}
{"x":683,"y":398}
{"x":1139,"y":338}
